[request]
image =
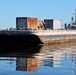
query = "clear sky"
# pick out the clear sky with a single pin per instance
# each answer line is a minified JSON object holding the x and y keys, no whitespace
{"x":42,"y":9}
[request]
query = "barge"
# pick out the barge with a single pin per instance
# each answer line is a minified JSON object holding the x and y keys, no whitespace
{"x":18,"y":37}
{"x":56,"y":36}
{"x":36,"y":37}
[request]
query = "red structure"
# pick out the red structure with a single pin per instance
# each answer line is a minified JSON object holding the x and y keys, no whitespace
{"x":26,"y":23}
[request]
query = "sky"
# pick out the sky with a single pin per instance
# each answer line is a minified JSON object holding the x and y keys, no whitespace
{"x":42,"y":9}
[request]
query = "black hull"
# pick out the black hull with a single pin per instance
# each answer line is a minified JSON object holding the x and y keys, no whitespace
{"x":8,"y":40}
{"x":19,"y":44}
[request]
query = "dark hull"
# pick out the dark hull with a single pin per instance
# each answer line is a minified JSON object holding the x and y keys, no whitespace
{"x":19,"y":44}
{"x":27,"y":39}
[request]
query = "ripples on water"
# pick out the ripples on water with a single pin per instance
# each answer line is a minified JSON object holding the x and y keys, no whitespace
{"x":54,"y":59}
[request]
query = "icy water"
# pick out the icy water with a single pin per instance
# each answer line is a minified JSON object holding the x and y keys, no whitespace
{"x":54,"y":59}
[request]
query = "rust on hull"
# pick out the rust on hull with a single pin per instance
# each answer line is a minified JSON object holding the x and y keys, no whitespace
{"x":59,"y":39}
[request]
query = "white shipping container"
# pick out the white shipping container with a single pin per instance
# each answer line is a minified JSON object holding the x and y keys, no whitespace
{"x":56,"y":24}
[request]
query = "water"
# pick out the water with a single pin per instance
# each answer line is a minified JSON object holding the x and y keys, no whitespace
{"x":54,"y":59}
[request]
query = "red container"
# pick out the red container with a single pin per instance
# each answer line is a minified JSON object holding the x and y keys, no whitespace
{"x":26,"y":23}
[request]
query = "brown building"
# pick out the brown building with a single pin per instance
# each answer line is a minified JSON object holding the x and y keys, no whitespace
{"x":26,"y":23}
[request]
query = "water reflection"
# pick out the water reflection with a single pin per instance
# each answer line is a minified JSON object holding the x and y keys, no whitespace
{"x":27,"y":64}
{"x":20,"y":49}
{"x":55,"y":56}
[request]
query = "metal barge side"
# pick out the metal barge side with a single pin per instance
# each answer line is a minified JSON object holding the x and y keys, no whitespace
{"x":56,"y":36}
{"x":36,"y":36}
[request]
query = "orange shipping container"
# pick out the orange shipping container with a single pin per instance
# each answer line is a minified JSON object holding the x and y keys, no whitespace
{"x":26,"y":23}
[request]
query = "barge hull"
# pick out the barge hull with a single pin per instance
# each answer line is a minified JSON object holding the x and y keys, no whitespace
{"x":36,"y":37}
{"x":56,"y":36}
{"x":8,"y":40}
{"x":57,"y":39}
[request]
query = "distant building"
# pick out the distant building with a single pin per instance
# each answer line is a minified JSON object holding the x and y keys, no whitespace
{"x":71,"y":27}
{"x":52,"y":24}
{"x":12,"y":28}
{"x":26,"y":23}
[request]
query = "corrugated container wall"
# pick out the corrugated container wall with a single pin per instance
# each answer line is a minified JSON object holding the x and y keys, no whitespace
{"x":49,"y":23}
{"x":26,"y":23}
{"x":32,"y":23}
{"x":21,"y":23}
{"x":56,"y":24}
{"x":52,"y":24}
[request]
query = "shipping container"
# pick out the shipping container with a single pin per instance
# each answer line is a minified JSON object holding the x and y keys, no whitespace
{"x":21,"y":23}
{"x":32,"y":23}
{"x":49,"y":23}
{"x":52,"y":24}
{"x":26,"y":23}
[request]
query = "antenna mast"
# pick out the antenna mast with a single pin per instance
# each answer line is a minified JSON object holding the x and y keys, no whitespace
{"x":75,"y":15}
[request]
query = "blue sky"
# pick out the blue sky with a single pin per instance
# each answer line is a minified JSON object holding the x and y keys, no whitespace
{"x":42,"y":9}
